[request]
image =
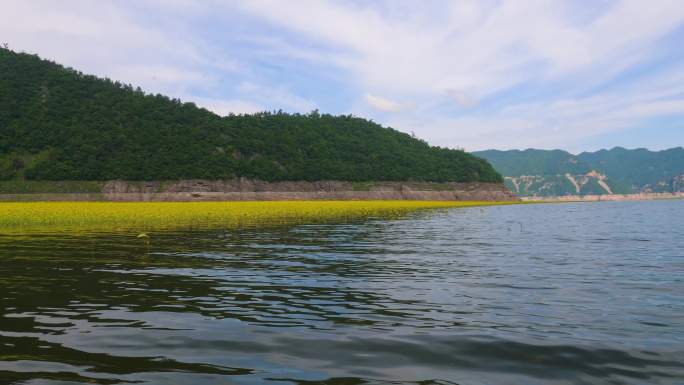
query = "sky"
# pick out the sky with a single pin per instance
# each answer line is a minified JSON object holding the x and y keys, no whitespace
{"x":578,"y":75}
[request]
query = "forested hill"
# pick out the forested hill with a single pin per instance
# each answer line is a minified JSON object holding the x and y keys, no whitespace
{"x":59,"y":124}
{"x":619,"y":170}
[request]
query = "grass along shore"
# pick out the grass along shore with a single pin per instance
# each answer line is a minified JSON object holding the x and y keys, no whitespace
{"x":64,"y":216}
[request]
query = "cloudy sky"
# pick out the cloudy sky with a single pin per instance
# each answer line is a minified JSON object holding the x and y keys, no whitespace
{"x":576,"y":75}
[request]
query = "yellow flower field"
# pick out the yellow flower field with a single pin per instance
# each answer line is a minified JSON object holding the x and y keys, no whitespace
{"x":20,"y":216}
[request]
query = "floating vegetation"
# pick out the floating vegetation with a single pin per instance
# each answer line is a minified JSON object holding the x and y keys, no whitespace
{"x":173,"y":215}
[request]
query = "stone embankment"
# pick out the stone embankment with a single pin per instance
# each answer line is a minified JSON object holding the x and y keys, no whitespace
{"x":253,"y":190}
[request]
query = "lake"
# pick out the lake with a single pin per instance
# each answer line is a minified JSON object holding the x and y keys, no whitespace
{"x":573,"y":293}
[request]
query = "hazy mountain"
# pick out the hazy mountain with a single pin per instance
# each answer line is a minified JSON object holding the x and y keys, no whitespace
{"x":619,"y":170}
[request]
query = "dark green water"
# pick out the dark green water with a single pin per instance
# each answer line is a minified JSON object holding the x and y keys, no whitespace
{"x":587,"y":293}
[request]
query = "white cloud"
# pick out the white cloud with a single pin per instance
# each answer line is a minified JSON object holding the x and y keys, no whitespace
{"x":170,"y":79}
{"x":472,"y":45}
{"x":562,"y":122}
{"x":386,"y":105}
{"x":462,"y":98}
{"x":279,"y":97}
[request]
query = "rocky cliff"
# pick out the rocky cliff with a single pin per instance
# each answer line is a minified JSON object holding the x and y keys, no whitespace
{"x":254,"y":190}
{"x":246,"y":189}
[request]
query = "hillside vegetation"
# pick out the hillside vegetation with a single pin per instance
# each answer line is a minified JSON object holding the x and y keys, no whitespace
{"x":619,"y":170}
{"x":59,"y":124}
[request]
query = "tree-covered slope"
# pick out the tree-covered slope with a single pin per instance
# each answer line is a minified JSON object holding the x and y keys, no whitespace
{"x":619,"y":170}
{"x":59,"y":124}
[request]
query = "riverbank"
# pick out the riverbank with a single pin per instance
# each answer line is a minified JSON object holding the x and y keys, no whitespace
{"x":250,"y":190}
{"x":606,"y":197}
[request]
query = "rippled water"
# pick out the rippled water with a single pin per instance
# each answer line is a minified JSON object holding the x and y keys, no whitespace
{"x":533,"y":294}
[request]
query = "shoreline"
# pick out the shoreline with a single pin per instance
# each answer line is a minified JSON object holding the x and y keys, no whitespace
{"x":605,"y":197}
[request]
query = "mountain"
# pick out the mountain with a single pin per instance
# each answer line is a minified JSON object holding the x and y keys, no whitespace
{"x":59,"y":124}
{"x":619,"y":171}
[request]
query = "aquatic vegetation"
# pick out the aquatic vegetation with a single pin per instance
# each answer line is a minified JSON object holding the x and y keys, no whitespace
{"x":146,"y":215}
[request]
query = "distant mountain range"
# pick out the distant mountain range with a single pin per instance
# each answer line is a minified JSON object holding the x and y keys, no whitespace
{"x":616,"y":171}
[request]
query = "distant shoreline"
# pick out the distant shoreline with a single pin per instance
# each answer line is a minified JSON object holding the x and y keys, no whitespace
{"x":606,"y":197}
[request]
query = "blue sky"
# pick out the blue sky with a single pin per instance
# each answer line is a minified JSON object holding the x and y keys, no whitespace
{"x":576,"y":75}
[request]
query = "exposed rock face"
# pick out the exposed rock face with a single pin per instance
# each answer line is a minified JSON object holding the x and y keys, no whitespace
{"x":678,"y":183}
{"x":246,"y":189}
{"x":591,"y":183}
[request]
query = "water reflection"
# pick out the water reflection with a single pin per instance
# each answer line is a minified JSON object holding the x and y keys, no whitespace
{"x":459,"y":296}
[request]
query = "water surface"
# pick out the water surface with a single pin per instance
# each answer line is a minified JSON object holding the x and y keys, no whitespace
{"x":583,"y":293}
